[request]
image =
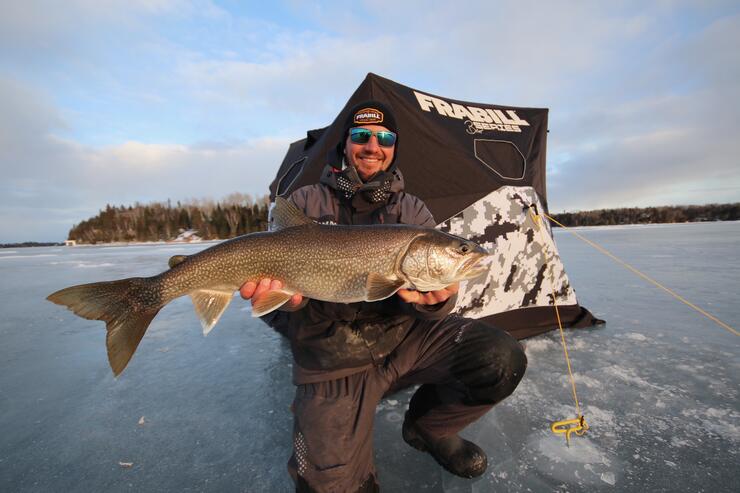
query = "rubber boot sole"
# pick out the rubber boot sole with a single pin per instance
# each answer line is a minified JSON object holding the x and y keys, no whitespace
{"x":412,"y":437}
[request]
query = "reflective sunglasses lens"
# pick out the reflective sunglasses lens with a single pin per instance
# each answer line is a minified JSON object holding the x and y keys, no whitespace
{"x":386,"y":139}
{"x":359,"y":135}
{"x":362,"y":136}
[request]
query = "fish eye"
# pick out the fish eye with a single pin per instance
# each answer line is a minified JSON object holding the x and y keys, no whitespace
{"x":464,"y":248}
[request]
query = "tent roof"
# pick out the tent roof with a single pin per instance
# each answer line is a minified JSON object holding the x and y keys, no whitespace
{"x":451,"y":152}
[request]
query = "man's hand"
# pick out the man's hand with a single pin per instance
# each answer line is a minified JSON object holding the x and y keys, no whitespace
{"x":430,"y":297}
{"x":252,"y":291}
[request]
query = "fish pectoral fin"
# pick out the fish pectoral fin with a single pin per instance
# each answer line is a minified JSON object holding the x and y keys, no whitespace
{"x":210,"y":305}
{"x":271,"y":300}
{"x":379,"y":287}
{"x":176,"y":259}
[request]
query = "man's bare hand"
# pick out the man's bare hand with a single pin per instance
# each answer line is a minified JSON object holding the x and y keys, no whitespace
{"x":429,"y":297}
{"x":252,"y":291}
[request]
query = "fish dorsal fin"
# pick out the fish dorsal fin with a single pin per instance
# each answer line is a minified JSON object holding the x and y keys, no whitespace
{"x":270,"y":301}
{"x":176,"y":259}
{"x":286,"y":215}
{"x":210,"y":305}
{"x":379,"y":287}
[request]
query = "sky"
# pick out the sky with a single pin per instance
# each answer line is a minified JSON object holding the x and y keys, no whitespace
{"x":117,"y":102}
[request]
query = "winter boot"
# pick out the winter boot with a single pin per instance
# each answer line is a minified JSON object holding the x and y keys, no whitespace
{"x":457,"y":455}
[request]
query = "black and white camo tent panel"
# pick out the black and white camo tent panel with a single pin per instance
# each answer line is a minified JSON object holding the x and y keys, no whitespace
{"x":479,"y":168}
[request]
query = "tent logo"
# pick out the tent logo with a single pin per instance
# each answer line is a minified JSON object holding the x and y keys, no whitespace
{"x":476,"y":120}
{"x":368,"y":115}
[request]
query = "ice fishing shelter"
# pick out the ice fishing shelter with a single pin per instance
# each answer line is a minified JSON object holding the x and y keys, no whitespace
{"x":479,"y":168}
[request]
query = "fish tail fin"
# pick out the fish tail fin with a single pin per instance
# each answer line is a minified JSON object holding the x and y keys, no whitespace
{"x":126,"y":306}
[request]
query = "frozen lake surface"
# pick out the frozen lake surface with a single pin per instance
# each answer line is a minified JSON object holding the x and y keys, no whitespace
{"x":658,"y":383}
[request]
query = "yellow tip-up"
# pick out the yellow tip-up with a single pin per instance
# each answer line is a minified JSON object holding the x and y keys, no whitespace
{"x":567,"y":426}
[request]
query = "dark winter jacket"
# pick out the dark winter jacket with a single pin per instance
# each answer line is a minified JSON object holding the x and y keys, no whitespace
{"x":332,"y":340}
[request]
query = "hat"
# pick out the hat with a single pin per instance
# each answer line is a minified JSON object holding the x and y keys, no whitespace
{"x":370,"y":112}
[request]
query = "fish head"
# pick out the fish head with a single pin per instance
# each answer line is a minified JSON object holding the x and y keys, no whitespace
{"x":435,"y":260}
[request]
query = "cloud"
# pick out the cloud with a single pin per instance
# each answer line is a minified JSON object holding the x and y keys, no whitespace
{"x":149,"y":100}
{"x":39,"y":31}
{"x":79,"y":181}
{"x":159,"y":170}
{"x":647,"y":169}
{"x":518,"y":53}
{"x":504,"y":53}
{"x":43,"y":172}
{"x":316,"y":78}
{"x":674,"y":142}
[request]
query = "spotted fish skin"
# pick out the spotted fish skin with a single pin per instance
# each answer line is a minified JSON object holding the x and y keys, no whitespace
{"x":330,"y":263}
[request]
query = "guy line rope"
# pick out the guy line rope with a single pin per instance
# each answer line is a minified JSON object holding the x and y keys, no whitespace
{"x":578,"y":425}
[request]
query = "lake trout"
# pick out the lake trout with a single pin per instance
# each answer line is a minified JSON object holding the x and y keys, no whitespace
{"x":334,"y":263}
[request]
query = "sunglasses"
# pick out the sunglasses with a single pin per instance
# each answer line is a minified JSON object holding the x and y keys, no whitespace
{"x":385,"y":138}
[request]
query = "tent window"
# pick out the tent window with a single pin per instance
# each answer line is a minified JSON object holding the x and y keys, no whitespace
{"x":502,"y":157}
{"x":290,"y":176}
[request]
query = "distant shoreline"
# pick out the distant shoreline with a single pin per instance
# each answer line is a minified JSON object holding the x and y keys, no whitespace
{"x":555,"y":226}
{"x":205,"y":242}
{"x":641,"y":225}
{"x":650,"y":215}
{"x":28,"y":244}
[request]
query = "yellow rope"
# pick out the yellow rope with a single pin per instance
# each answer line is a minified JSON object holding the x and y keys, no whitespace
{"x":579,"y":425}
{"x":647,"y":278}
{"x":567,"y":426}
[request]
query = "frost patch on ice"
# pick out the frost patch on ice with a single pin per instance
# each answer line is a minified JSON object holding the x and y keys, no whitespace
{"x":88,"y":265}
{"x":83,"y":264}
{"x":608,"y":477}
{"x":599,"y":418}
{"x":628,"y":376}
{"x":582,"y":379}
{"x":527,"y":395}
{"x":723,"y":422}
{"x":538,"y":345}
{"x":581,"y":450}
{"x":677,"y":442}
{"x":582,"y":463}
{"x":636,"y":337}
{"x":579,"y":343}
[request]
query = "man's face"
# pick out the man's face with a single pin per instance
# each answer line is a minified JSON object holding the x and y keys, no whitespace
{"x":369,"y":158}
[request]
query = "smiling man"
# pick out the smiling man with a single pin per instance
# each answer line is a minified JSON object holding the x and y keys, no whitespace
{"x":370,"y":149}
{"x":348,"y":356}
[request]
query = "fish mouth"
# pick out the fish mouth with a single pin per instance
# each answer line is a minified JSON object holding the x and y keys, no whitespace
{"x":475,"y":267}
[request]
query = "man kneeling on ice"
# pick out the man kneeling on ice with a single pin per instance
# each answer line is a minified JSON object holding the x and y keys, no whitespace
{"x":348,"y":356}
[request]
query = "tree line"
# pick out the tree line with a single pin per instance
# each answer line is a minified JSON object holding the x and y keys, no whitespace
{"x":240,"y":214}
{"x":235,"y":215}
{"x":647,"y":215}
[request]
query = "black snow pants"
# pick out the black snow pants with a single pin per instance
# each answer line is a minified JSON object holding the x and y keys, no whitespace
{"x":464,"y":367}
